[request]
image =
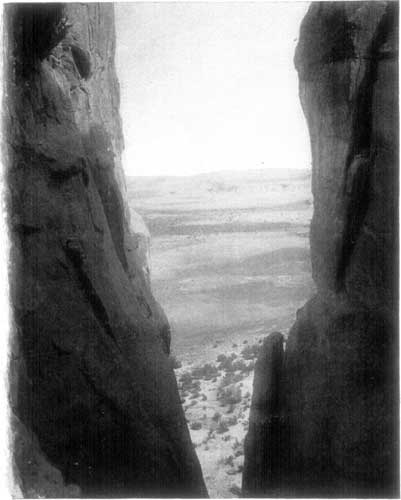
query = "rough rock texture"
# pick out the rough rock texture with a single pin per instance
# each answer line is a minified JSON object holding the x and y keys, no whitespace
{"x":90,"y":375}
{"x":324,"y":417}
{"x":35,"y":476}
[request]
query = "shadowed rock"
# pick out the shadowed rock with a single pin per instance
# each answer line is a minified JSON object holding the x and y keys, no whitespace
{"x":262,"y":443}
{"x":90,"y":374}
{"x":337,"y":400}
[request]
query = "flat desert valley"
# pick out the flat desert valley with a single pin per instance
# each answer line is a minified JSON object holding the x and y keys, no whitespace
{"x":230,"y":263}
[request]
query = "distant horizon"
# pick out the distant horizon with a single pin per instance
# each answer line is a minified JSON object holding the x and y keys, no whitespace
{"x":223,"y":171}
{"x":209,"y":87}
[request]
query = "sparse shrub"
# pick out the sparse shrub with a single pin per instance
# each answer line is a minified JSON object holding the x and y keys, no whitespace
{"x":187,"y":383}
{"x":227,"y":365}
{"x":226,"y":362}
{"x":210,"y":435}
{"x":207,"y":371}
{"x":234,"y":346}
{"x":238,"y":448}
{"x":230,"y":394}
{"x":239,"y":365}
{"x":227,"y":380}
{"x":229,"y":461}
{"x":238,"y":377}
{"x":216,"y":417}
{"x":185,"y":378}
{"x":203,"y":397}
{"x":192,"y":403}
{"x":230,"y":408}
{"x":233,"y":420}
{"x":250,"y":351}
{"x":195,"y":426}
{"x":221,"y":358}
{"x":222,"y":427}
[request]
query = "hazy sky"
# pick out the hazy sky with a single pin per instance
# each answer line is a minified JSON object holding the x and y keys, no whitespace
{"x":210,"y":86}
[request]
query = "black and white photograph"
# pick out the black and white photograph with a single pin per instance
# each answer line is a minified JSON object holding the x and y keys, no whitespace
{"x":200,"y":249}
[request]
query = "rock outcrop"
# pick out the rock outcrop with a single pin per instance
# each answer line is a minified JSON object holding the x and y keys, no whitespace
{"x":324,"y":417}
{"x":91,"y":382}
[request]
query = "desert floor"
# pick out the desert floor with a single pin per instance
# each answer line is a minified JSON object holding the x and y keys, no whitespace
{"x":229,"y":264}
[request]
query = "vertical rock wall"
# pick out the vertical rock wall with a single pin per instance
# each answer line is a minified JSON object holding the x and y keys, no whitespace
{"x":324,"y":416}
{"x":90,"y":374}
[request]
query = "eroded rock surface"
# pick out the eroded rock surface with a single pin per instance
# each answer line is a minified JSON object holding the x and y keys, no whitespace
{"x":91,"y":375}
{"x":337,"y":415}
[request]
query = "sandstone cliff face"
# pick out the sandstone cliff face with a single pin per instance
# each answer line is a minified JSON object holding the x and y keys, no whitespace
{"x":324,"y":411}
{"x":90,"y":374}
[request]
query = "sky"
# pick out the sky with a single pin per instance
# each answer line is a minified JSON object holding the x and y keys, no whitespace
{"x":210,"y":86}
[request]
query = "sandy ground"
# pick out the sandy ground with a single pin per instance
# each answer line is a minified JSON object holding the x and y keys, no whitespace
{"x":216,"y":399}
{"x":229,"y":264}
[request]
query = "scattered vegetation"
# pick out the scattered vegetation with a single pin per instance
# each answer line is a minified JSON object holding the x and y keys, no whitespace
{"x":195,"y":426}
{"x":238,"y":448}
{"x":229,"y":395}
{"x":229,"y":461}
{"x":222,"y":427}
{"x":216,"y":417}
{"x":187,"y":383}
{"x":250,"y":351}
{"x":239,"y":365}
{"x":207,"y":371}
{"x":233,"y":420}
